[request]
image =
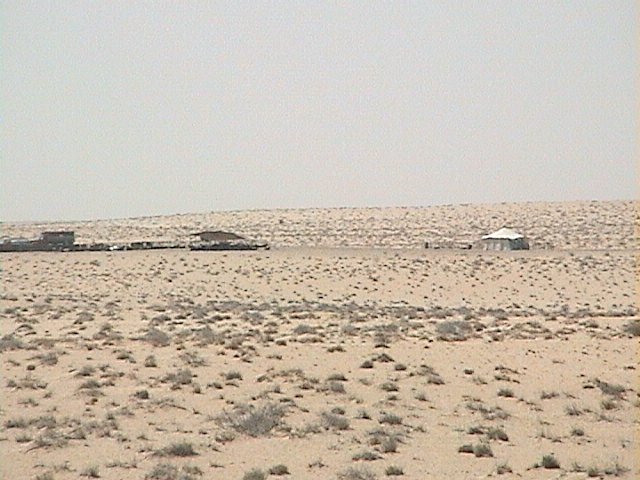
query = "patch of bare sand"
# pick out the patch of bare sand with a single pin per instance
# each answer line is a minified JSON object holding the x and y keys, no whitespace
{"x":333,"y":363}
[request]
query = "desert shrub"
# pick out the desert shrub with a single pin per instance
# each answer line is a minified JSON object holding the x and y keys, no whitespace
{"x":150,"y":362}
{"x":389,"y":444}
{"x":86,"y":371}
{"x":163,"y":471}
{"x":577,"y":432}
{"x":453,"y":330}
{"x":389,"y":387}
{"x":335,"y":387}
{"x":489,"y":413}
{"x":550,"y":462}
{"x":363,"y":414}
{"x":365,"y":455}
{"x":393,"y":470}
{"x":304,"y":328}
{"x":505,"y":392}
{"x":156,"y":337}
{"x":466,"y":448}
{"x":50,"y":358}
{"x":357,"y":473}
{"x":16,"y":423}
{"x":433,"y":378}
{"x":387,"y":441}
{"x":615,"y":470}
{"x":632,"y":328}
{"x":90,"y":384}
{"x":482,"y":450}
{"x":45,"y":476}
{"x":383,"y":358}
{"x":142,"y":394}
{"x":279,"y":469}
{"x":333,"y":421}
{"x":181,"y":377}
{"x":336,"y":377}
{"x":255,"y":474}
{"x":573,"y":410}
{"x":180,"y":449}
{"x":610,"y":388}
{"x":593,"y":472}
{"x":503,"y":468}
{"x":233,"y":375}
{"x":497,"y":434}
{"x":390,"y":419}
{"x":547,"y":395}
{"x":421,"y":396}
{"x":366,"y":364}
{"x":10,"y":342}
{"x":253,"y":421}
{"x":23,"y":438}
{"x":91,"y":472}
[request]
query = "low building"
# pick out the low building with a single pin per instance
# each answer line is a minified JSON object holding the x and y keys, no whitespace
{"x":504,"y":239}
{"x":219,"y":240}
{"x":217,"y":236}
{"x":61,"y":239}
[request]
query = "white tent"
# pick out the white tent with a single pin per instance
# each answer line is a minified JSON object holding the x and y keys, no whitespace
{"x":505,"y":239}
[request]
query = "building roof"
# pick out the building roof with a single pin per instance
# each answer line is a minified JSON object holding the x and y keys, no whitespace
{"x":218,"y":234}
{"x":503,"y":234}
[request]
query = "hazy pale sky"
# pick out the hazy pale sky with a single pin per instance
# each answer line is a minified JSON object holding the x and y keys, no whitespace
{"x":121,"y":108}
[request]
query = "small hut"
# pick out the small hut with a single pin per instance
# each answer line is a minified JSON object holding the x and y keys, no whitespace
{"x":504,"y":239}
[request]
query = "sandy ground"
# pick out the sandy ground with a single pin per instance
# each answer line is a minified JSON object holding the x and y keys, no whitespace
{"x":345,"y":363}
{"x":567,"y":225}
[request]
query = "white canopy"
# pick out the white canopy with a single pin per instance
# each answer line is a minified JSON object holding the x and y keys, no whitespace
{"x":503,"y":234}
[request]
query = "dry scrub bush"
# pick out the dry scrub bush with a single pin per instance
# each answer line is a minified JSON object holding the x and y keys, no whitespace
{"x":357,"y":473}
{"x":254,"y":474}
{"x":180,"y":449}
{"x":453,"y":330}
{"x":251,"y":420}
{"x":334,"y":421}
{"x":632,"y":328}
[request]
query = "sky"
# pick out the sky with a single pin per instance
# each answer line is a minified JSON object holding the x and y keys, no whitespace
{"x":114,"y":109}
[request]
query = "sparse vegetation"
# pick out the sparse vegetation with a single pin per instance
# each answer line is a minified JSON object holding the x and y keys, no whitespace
{"x":279,"y":469}
{"x":549,"y":462}
{"x":357,"y":473}
{"x":254,"y":474}
{"x":334,"y":421}
{"x":253,"y":421}
{"x":365,"y":455}
{"x":390,"y":419}
{"x":91,"y":472}
{"x":505,"y":392}
{"x":179,"y":449}
{"x":393,"y":470}
{"x":632,"y":328}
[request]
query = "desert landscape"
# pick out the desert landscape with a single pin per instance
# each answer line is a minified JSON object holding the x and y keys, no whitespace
{"x":347,"y":351}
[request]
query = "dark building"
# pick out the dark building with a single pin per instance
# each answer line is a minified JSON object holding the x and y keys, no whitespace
{"x":62,"y":239}
{"x":218,"y":236}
